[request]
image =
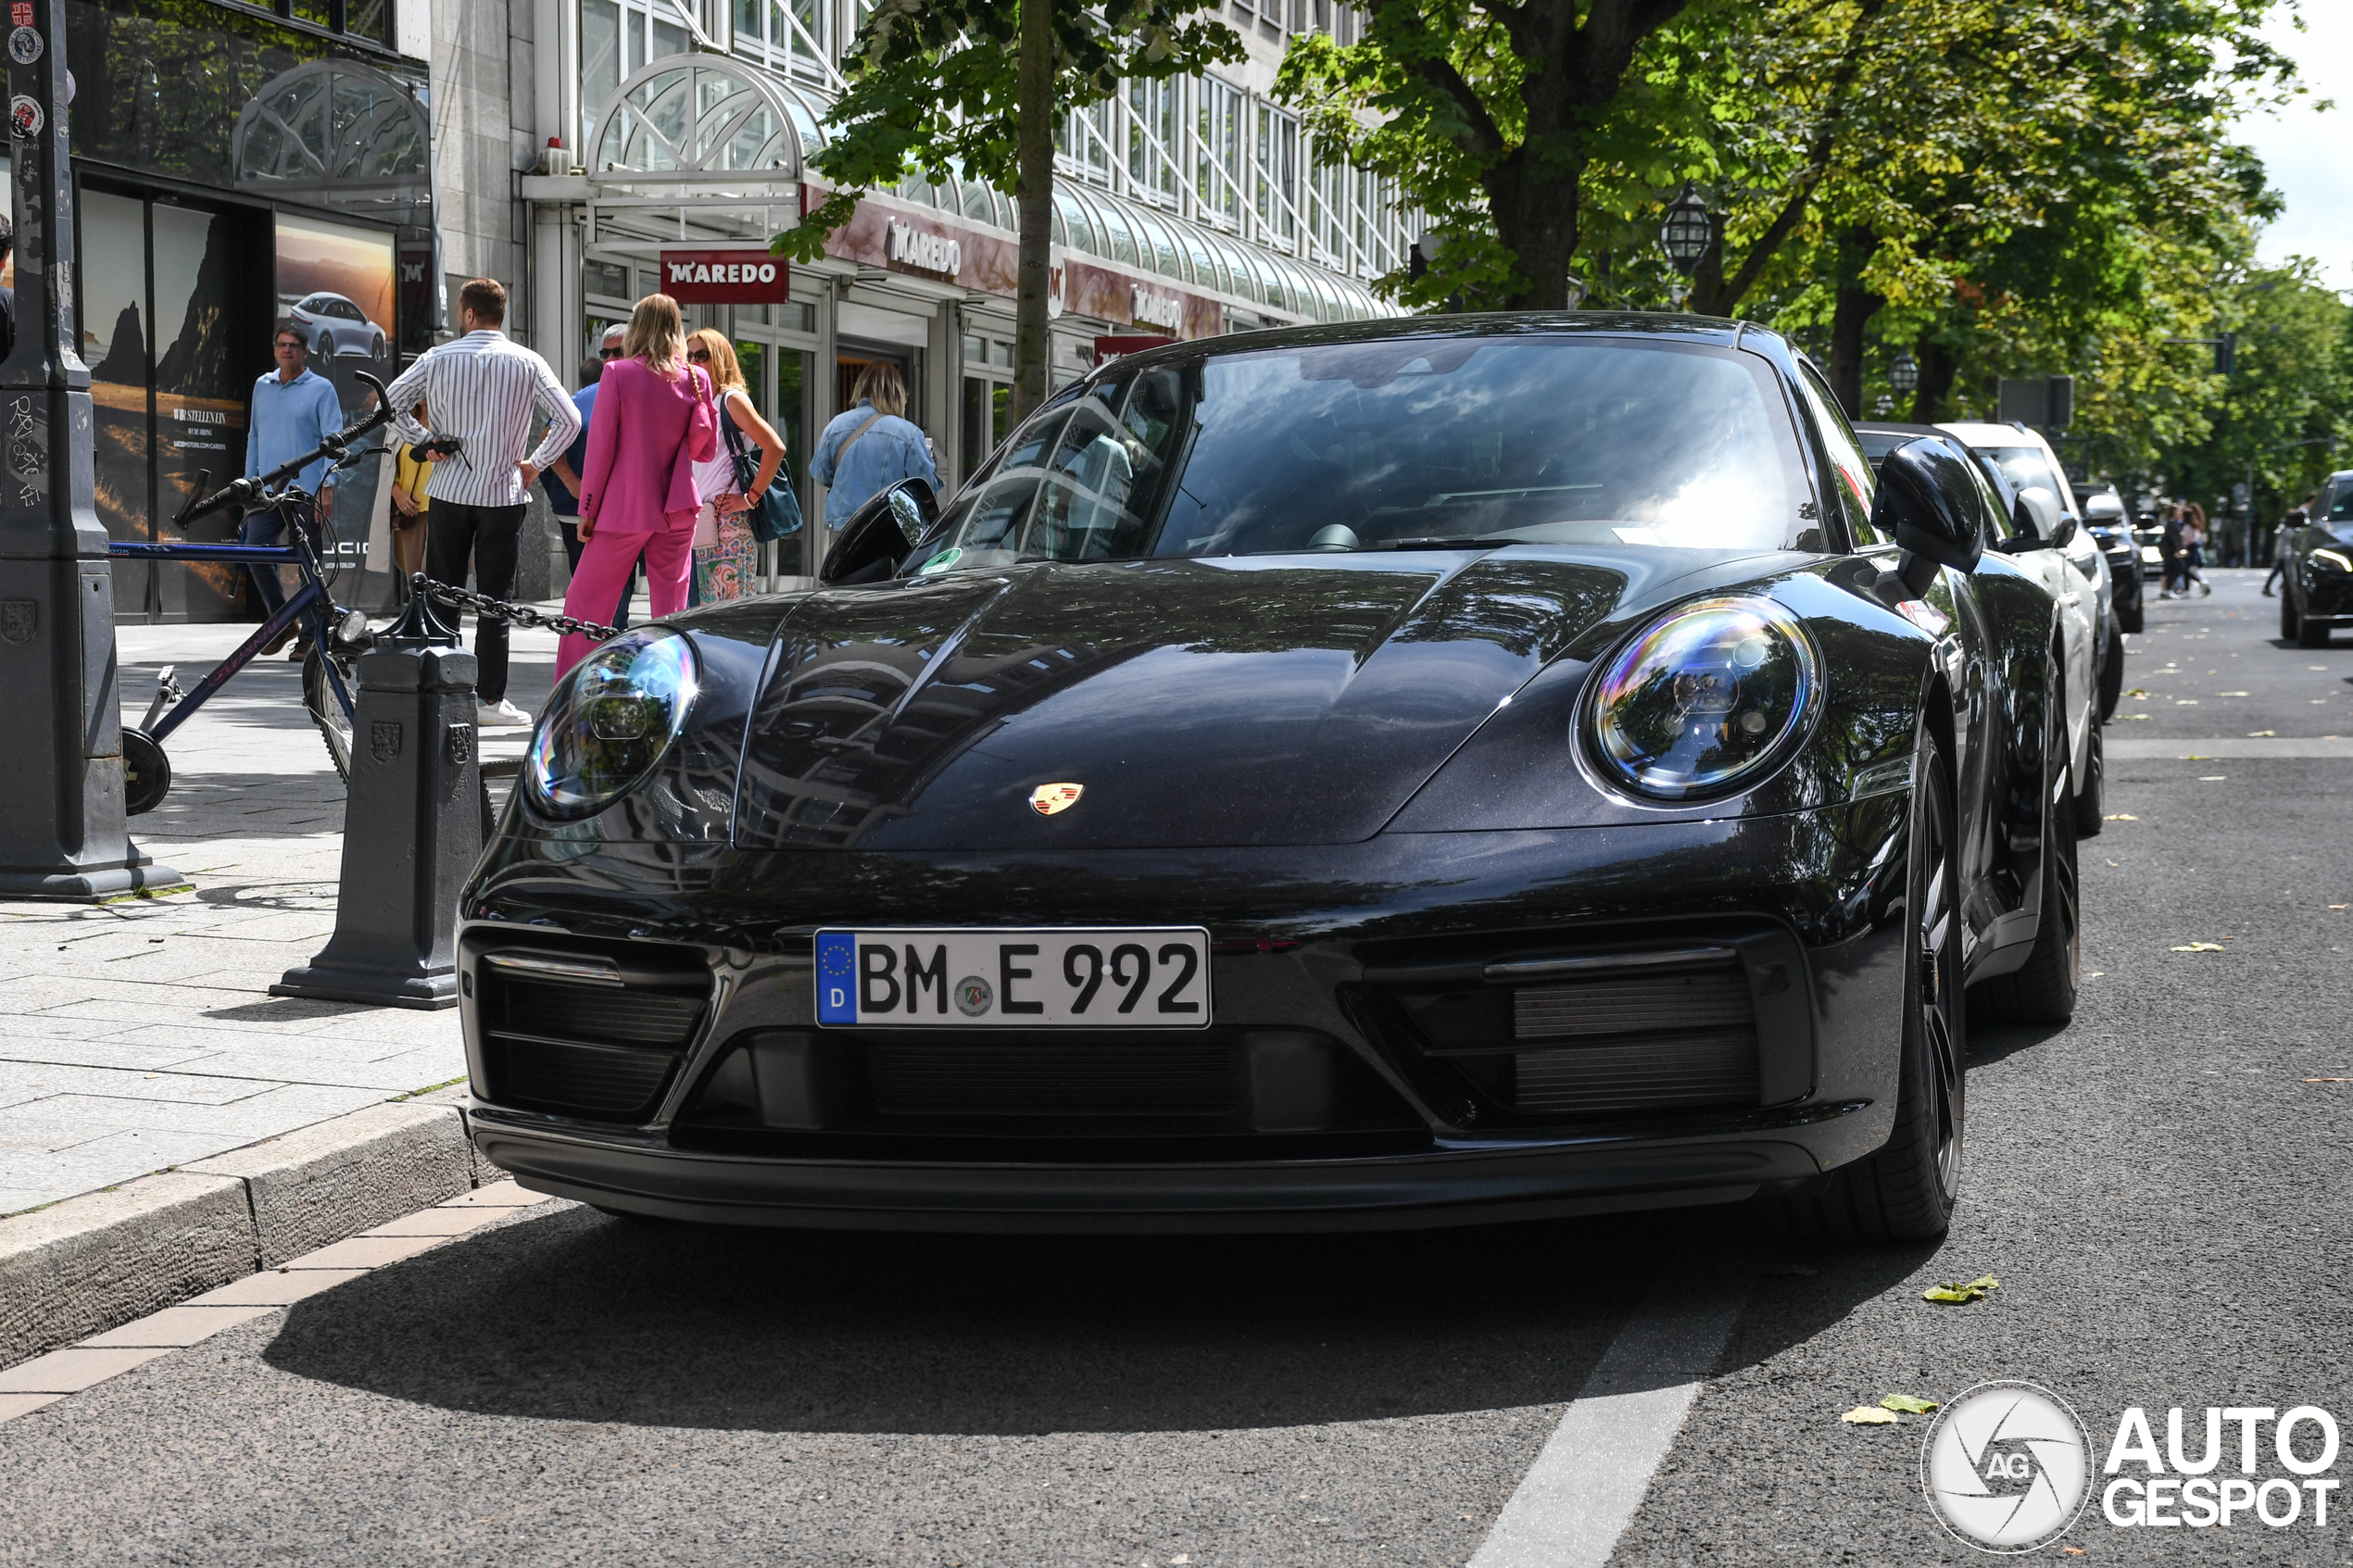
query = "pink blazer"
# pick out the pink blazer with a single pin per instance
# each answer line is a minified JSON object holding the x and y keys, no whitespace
{"x":645,"y":437}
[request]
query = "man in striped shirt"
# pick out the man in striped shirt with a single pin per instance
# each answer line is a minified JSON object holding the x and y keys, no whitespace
{"x":483,"y":389}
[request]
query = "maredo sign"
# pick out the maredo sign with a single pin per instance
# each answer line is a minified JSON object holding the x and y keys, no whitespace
{"x":724,"y":277}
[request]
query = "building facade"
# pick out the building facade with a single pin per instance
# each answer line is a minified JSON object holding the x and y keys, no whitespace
{"x":345,"y":163}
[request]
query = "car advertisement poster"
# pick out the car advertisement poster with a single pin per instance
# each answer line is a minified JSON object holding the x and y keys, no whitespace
{"x":336,"y":286}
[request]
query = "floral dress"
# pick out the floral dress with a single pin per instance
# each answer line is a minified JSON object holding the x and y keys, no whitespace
{"x":724,"y":570}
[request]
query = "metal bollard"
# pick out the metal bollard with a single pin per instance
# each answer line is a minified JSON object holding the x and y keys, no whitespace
{"x":412,"y":824}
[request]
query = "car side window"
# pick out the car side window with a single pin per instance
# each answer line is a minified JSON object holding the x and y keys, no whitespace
{"x":1853,"y":470}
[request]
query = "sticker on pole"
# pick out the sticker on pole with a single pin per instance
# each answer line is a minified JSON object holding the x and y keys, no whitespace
{"x":24,"y":45}
{"x":25,"y":117}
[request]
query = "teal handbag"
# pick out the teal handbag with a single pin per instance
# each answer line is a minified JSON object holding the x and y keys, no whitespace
{"x":776,"y":513}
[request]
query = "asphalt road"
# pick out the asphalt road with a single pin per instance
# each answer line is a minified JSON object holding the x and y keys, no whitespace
{"x":2158,"y":1188}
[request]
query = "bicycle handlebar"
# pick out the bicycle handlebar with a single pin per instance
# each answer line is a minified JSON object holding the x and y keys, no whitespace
{"x":241,"y":490}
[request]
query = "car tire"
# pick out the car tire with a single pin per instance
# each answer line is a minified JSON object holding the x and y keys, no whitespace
{"x":326,"y":346}
{"x":1906,"y":1190}
{"x":2112,"y":668}
{"x":376,"y":347}
{"x":2311,"y":634}
{"x":2132,"y":617}
{"x":2043,"y":989}
{"x":2090,"y":801}
{"x":2290,"y":623}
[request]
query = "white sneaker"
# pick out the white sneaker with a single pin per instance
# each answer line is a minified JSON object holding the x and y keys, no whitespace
{"x":501,"y":715}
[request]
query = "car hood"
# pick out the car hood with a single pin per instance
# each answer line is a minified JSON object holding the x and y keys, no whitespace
{"x":1266,"y":700}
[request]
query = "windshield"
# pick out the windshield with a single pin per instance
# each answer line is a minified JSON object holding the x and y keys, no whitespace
{"x":2339,"y":512}
{"x":1395,"y":443}
{"x":2023,"y":466}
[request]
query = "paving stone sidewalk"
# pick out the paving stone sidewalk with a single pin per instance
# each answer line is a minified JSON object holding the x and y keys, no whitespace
{"x":141,"y":1034}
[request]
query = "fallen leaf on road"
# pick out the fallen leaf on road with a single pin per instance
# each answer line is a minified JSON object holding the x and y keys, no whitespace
{"x":1868,"y":1415}
{"x":2341,"y":906}
{"x":2130,"y":717}
{"x":2071,"y":1551}
{"x":1908,"y":1404}
{"x":2122,"y":817}
{"x":2138,"y":693}
{"x":1961,"y":1295}
{"x":2202,"y":948}
{"x":2232,"y":693}
{"x":2259,"y":733}
{"x":2212,"y":778}
{"x":2327,"y":1080}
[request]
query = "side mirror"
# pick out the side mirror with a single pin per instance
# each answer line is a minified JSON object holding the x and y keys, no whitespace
{"x":1928,"y":501}
{"x":878,"y":535}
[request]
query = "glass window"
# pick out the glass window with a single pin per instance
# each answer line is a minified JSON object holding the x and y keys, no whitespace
{"x":599,"y":59}
{"x":1856,"y":484}
{"x":1079,"y":231}
{"x":2023,"y":466}
{"x":1274,"y":175}
{"x":1151,"y":137}
{"x":976,"y":350}
{"x":1218,"y":167}
{"x":1400,"y":442}
{"x":1116,"y":229}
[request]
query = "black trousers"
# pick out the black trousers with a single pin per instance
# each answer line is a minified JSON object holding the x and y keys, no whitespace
{"x":492,"y":536}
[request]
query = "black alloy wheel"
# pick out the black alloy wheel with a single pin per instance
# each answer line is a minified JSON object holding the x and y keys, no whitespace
{"x":146,"y":772}
{"x":2309,"y":633}
{"x":2112,"y":668}
{"x":2290,"y":623}
{"x":1907,"y":1191}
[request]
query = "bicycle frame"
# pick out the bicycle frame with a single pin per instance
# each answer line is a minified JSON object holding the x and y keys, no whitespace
{"x":311,"y":600}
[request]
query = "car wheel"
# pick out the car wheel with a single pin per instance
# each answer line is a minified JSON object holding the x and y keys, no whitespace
{"x":2091,"y":800}
{"x":2043,"y":989}
{"x":2311,"y":634}
{"x":1907,"y":1191}
{"x":376,"y":346}
{"x":2290,"y":623}
{"x":2112,"y":668}
{"x":326,"y":344}
{"x":2131,"y":617}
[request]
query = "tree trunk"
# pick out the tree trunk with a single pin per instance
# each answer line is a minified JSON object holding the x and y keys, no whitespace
{"x":1855,"y":308}
{"x":1536,"y":220}
{"x":1033,"y":182}
{"x":1937,"y":370}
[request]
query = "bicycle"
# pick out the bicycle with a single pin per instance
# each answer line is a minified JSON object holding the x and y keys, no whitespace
{"x":337,"y":635}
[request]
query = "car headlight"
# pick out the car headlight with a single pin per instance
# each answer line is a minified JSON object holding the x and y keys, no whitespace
{"x":1705,"y":698}
{"x":610,"y":722}
{"x":2335,"y":560}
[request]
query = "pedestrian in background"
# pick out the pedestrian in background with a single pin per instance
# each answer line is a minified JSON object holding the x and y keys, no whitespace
{"x":2169,"y":546}
{"x":294,"y":409}
{"x":563,"y":481}
{"x":484,"y":389}
{"x":2283,"y":541}
{"x":2194,"y":550}
{"x":638,"y":497}
{"x":869,"y":446}
{"x":726,"y":556}
{"x":412,"y":471}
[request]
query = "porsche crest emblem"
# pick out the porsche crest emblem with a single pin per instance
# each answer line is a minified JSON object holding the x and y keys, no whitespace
{"x":1048,"y":799}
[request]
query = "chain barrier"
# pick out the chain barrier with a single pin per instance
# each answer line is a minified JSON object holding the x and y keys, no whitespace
{"x":520,"y":615}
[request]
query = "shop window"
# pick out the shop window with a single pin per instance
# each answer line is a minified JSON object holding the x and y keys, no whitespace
{"x":794,"y":36}
{"x":604,"y":278}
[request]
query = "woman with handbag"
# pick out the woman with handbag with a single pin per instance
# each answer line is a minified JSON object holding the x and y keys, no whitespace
{"x":654,"y":423}
{"x":733,"y":480}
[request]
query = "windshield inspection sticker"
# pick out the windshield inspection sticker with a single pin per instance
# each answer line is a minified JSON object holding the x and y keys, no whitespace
{"x":941,"y":562}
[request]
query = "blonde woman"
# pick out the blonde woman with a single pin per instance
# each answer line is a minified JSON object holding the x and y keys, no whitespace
{"x":726,"y":555}
{"x":654,"y":422}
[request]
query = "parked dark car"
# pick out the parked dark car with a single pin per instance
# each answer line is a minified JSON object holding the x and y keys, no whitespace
{"x":1395,"y":775}
{"x":2316,"y":591}
{"x":2105,"y":515}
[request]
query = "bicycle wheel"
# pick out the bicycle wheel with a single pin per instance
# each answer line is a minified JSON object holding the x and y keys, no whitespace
{"x":335,"y":725}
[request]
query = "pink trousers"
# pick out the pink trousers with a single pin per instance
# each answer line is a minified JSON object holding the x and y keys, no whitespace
{"x":604,"y":567}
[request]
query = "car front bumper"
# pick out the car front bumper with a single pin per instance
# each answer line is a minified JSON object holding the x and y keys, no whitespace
{"x":1811,"y":900}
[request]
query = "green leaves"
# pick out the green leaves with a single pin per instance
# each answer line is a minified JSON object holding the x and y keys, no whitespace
{"x":1962,"y":1295}
{"x":1908,"y":1404}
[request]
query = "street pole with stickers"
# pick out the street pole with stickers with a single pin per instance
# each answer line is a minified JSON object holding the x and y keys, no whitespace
{"x":62,"y":828}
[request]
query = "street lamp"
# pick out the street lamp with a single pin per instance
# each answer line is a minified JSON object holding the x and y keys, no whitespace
{"x":1904,"y":375}
{"x":1688,"y":232}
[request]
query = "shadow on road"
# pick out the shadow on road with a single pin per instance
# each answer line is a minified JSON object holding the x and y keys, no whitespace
{"x":576,"y":1316}
{"x":1989,"y":1045}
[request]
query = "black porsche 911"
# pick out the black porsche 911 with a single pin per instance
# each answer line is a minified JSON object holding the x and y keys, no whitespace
{"x":1401,"y":774}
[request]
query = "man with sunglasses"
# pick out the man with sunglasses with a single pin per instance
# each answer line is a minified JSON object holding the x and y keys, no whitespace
{"x":562,"y":479}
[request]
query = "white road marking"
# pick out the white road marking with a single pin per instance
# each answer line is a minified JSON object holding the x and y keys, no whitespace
{"x":1578,"y":1496}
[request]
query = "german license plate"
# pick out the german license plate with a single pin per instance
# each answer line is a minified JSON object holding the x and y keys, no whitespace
{"x":1057,"y":977}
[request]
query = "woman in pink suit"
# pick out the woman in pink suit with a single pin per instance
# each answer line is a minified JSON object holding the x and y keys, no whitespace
{"x":654,"y":422}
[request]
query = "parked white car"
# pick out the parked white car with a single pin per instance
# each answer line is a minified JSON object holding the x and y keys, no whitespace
{"x":2077,"y":577}
{"x":335,"y":326}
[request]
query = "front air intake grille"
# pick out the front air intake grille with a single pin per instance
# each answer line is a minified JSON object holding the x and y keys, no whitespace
{"x":602,"y":1082}
{"x":596,"y":1032}
{"x":1052,"y":1078}
{"x":1637,"y":1040}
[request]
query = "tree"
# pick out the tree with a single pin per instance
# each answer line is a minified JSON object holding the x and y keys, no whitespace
{"x":1490,"y":112}
{"x":975,"y":88}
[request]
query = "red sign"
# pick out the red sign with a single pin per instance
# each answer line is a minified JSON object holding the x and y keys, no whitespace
{"x":20,"y":14}
{"x":1111,"y":346}
{"x":724,"y":277}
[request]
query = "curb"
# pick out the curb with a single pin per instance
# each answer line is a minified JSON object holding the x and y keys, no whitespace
{"x":104,"y":1259}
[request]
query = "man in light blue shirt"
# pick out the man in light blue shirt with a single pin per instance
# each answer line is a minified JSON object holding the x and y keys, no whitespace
{"x":871,"y":445}
{"x":295,"y":409}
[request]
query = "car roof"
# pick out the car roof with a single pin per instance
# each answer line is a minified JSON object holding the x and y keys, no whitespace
{"x":1995,"y":435}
